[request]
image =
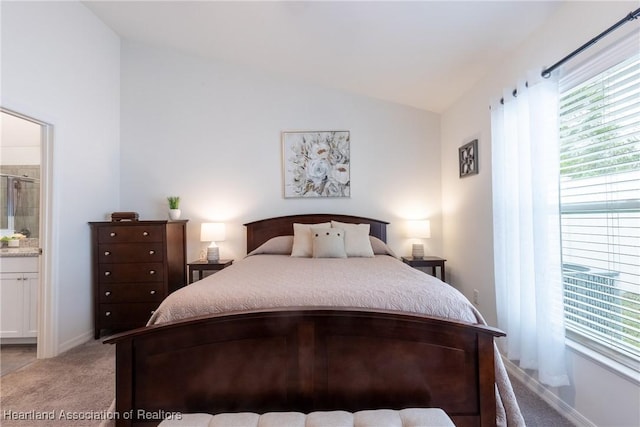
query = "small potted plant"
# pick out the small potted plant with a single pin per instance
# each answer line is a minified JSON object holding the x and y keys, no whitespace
{"x":13,"y":241}
{"x":174,"y":207}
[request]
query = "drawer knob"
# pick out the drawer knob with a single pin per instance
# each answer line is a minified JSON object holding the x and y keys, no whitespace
{"x":107,"y":253}
{"x":112,"y":234}
{"x":145,"y":233}
{"x":152,"y":252}
{"x":107,"y":273}
{"x":108,"y":313}
{"x":107,"y":293}
{"x":152,"y":292}
{"x":152,"y":272}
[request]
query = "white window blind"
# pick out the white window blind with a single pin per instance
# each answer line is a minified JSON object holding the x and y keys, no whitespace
{"x":600,"y":202}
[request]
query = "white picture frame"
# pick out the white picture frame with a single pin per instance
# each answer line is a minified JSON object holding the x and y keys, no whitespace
{"x":316,"y":164}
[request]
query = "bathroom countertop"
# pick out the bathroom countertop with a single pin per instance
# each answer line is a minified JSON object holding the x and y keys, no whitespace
{"x":16,"y":252}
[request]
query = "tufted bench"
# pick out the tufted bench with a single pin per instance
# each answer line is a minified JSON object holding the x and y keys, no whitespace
{"x":414,"y":417}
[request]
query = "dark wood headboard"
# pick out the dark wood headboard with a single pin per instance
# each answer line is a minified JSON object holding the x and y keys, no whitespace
{"x":260,"y":231}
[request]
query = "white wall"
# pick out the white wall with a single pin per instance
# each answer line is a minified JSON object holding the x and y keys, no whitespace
{"x":210,"y":133}
{"x":467,"y":211}
{"x":60,"y":64}
{"x":19,"y":141}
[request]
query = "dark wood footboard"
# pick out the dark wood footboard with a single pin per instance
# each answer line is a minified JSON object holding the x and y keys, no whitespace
{"x":306,"y":360}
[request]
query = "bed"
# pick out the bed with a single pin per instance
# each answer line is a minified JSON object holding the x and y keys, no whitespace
{"x":315,"y":346}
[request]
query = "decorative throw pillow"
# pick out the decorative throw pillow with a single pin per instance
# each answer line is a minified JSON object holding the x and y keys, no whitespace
{"x":280,"y":245}
{"x":328,"y":243}
{"x":356,"y":239}
{"x":302,"y":246}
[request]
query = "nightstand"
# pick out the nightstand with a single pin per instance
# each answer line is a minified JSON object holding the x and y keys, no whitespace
{"x":203,"y":265}
{"x":428,"y":261}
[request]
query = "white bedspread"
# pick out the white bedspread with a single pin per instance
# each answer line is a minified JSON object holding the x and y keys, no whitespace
{"x":267,"y":281}
{"x":383,"y":282}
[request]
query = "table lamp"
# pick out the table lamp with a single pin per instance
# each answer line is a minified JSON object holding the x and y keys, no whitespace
{"x":212,"y":232}
{"x":420,"y":229}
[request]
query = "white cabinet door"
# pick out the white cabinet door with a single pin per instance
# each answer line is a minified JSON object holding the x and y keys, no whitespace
{"x":12,"y":305}
{"x":18,"y":305}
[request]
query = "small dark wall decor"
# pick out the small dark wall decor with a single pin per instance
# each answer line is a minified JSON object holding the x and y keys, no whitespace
{"x":468,"y":158}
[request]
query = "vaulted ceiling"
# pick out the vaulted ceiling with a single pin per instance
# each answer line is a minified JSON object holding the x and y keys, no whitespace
{"x":424,"y":54}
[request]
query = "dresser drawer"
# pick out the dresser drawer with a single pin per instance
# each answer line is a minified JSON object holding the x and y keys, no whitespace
{"x":131,"y":292}
{"x":130,"y":252}
{"x":125,"y":315}
{"x":131,"y":272}
{"x":131,"y":233}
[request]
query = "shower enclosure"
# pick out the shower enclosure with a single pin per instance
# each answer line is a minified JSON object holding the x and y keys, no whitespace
{"x":20,"y":201}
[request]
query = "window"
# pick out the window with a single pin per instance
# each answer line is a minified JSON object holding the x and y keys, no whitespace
{"x":600,"y":204}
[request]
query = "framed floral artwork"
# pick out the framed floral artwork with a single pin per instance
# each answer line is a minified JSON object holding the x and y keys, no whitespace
{"x":468,"y":157}
{"x":316,"y":164}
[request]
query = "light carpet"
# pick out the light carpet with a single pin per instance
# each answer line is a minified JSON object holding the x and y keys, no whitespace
{"x":72,"y":389}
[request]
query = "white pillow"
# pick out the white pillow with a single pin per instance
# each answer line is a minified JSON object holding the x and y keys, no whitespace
{"x":279,"y":245}
{"x":356,"y":239}
{"x":328,"y":243}
{"x":302,"y":239}
{"x":380,"y":248}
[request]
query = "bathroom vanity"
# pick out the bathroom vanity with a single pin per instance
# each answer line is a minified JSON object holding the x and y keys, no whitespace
{"x":19,"y":281}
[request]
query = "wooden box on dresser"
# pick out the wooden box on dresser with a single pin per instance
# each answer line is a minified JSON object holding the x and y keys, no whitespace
{"x":136,"y":264}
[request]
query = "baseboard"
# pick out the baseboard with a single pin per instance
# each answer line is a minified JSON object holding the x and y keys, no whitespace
{"x":74,"y":342}
{"x":18,"y":340}
{"x":545,"y":394}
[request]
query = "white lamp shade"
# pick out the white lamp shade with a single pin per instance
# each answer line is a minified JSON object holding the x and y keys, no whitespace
{"x":212,"y":232}
{"x":420,"y":229}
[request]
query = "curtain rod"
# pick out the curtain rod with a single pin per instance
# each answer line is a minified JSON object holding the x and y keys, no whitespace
{"x":546,"y":73}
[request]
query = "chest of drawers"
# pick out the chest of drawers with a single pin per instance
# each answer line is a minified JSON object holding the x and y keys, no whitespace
{"x":136,"y":264}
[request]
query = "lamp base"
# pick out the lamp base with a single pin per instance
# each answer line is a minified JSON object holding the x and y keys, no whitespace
{"x":418,"y":251}
{"x":213,"y":253}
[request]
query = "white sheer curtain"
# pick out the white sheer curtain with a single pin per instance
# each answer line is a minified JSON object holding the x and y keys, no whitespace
{"x":528,"y":262}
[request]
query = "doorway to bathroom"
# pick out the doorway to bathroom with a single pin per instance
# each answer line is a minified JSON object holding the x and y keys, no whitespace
{"x":24,"y":292}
